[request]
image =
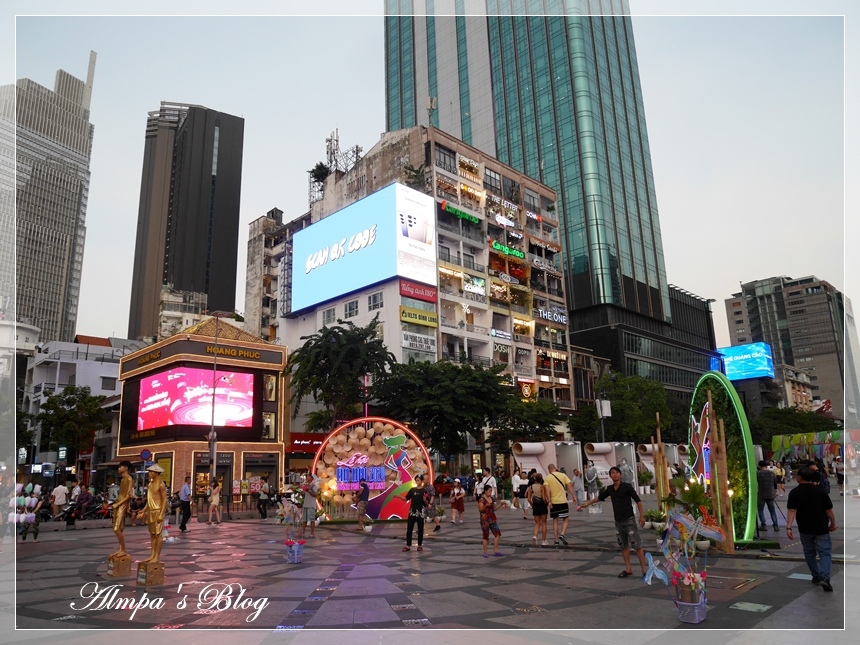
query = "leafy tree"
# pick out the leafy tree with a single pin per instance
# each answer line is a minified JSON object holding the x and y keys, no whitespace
{"x":635,"y":404}
{"x":584,"y":423}
{"x":332,"y":364}
{"x":676,"y":429}
{"x":320,"y":172}
{"x":777,"y":421}
{"x":532,"y":421}
{"x":24,"y":435}
{"x":444,"y":401}
{"x":414,"y":177}
{"x":71,"y":417}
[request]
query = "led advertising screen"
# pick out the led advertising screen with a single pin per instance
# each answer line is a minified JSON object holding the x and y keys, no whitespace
{"x":389,"y":233}
{"x":183,"y":396}
{"x":753,"y":360}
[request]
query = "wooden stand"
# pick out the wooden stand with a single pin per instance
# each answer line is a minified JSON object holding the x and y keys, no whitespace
{"x":119,"y":566}
{"x":722,"y":501}
{"x":150,"y":573}
{"x":661,"y":468}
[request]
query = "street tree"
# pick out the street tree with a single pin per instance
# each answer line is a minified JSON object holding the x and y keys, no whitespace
{"x":584,"y":423}
{"x":635,"y":403}
{"x":444,"y":402}
{"x":788,"y":421}
{"x":523,"y":420}
{"x":70,"y":418}
{"x":331,"y":366}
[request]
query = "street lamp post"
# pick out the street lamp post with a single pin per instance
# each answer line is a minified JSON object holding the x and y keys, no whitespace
{"x":213,"y":435}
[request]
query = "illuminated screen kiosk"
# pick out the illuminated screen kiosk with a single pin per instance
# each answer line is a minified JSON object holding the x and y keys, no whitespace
{"x":384,"y":452}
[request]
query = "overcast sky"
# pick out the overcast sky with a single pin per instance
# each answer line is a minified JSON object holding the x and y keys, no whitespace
{"x":744,"y":115}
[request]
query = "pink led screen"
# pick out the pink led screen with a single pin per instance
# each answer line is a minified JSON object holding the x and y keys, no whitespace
{"x":183,"y":396}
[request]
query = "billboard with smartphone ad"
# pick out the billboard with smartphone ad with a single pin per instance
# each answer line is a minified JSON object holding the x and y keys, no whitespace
{"x":387,"y":234}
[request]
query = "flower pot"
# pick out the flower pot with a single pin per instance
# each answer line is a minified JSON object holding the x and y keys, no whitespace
{"x":648,"y":525}
{"x":703,"y":545}
{"x":659,"y":526}
{"x":368,"y":529}
{"x":317,"y":521}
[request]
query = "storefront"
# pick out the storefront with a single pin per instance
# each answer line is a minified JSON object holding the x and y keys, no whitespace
{"x":211,"y":388}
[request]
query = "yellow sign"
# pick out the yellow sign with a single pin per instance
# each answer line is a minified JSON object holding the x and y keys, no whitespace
{"x":418,"y":316}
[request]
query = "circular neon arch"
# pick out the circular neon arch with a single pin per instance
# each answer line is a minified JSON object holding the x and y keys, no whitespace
{"x":384,"y":452}
{"x":717,"y":381}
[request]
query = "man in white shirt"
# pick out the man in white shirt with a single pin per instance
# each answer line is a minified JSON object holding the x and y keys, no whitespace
{"x":486,"y":480}
{"x":59,"y":497}
{"x":76,"y":490}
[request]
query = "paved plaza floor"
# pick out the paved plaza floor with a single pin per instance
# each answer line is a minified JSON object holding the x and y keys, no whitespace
{"x":353,"y":580}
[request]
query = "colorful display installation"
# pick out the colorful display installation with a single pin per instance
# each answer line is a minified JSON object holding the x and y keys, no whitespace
{"x":383,"y":452}
{"x":739,"y":449}
{"x":809,"y":445}
{"x":683,"y":539}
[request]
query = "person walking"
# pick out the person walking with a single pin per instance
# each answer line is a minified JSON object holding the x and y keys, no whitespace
{"x":457,"y":501}
{"x":522,"y":493}
{"x":538,"y":497}
{"x":813,"y":510}
{"x":779,"y":471}
{"x":430,"y":512}
{"x":59,"y":498}
{"x":263,"y":499}
{"x":559,"y":485}
{"x":362,"y":496}
{"x":766,"y":493}
{"x":486,"y":480}
{"x":487,"y":507}
{"x":515,"y":489}
{"x":310,"y":490}
{"x":839,"y":469}
{"x":417,"y":501}
{"x":214,"y":501}
{"x":623,"y":497}
{"x":185,"y":503}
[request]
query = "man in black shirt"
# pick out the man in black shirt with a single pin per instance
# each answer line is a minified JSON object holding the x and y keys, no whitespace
{"x":623,"y":495}
{"x":362,"y":496}
{"x":815,"y":521}
{"x":416,"y":497}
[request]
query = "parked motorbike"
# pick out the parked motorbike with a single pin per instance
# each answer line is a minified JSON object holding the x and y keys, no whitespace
{"x":69,"y":513}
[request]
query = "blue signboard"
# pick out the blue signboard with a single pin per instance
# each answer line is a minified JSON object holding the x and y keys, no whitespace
{"x":753,"y":360}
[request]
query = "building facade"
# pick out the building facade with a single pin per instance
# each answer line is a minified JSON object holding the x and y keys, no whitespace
{"x":267,"y":243}
{"x":188,"y":217}
{"x":558,"y":98}
{"x":89,"y":361}
{"x":495,"y":293}
{"x":802,"y":320}
{"x":54,"y":146}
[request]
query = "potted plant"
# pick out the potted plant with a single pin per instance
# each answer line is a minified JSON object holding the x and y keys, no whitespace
{"x":651,"y":516}
{"x":368,"y":525}
{"x":320,"y":516}
{"x":644,"y":478}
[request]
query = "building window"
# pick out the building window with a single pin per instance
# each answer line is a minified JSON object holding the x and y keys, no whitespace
{"x":350,"y":309}
{"x":328,"y":316}
{"x":740,"y":331}
{"x":739,"y":313}
{"x":109,"y":383}
{"x":446,"y":159}
{"x":493,"y":181}
{"x":374,"y":301}
{"x":739,"y":322}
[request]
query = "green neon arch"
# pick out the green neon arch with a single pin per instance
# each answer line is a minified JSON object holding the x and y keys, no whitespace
{"x":739,"y":448}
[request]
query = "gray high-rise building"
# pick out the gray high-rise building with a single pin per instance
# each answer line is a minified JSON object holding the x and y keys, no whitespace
{"x":54,"y":144}
{"x":188,"y":218}
{"x":803,"y":322}
{"x":557,"y":97}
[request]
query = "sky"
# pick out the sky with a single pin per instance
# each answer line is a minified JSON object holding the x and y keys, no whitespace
{"x":744,"y":116}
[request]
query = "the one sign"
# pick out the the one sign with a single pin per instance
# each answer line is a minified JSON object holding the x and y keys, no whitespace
{"x":418,"y":316}
{"x":555,"y":316}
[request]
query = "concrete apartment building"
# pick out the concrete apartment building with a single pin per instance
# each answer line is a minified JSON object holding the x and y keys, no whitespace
{"x":495,"y":293}
{"x":802,"y":320}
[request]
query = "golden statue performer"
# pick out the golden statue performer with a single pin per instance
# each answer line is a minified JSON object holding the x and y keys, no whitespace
{"x":121,"y":508}
{"x":154,"y":511}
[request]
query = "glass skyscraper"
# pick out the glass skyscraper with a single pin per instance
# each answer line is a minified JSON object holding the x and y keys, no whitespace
{"x":554,"y":92}
{"x":54,"y":144}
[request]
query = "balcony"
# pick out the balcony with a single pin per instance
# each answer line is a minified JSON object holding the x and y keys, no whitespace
{"x":526,"y":340}
{"x":475,"y":297}
{"x":540,"y":342}
{"x":524,"y":370}
{"x":447,"y":167}
{"x":566,"y":404}
{"x":520,"y":309}
{"x":477,"y":329}
{"x":469,"y":264}
{"x":475,"y":360}
{"x":543,"y":371}
{"x":539,"y":286}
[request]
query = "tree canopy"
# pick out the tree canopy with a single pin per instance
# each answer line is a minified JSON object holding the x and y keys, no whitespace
{"x":444,"y":402}
{"x":531,"y":421}
{"x":789,"y":421}
{"x":635,"y":404}
{"x":332,"y":364}
{"x":70,"y":418}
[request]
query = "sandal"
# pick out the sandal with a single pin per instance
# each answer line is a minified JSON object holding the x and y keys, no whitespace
{"x":406,"y":548}
{"x":486,"y":555}
{"x":625,"y":574}
{"x":420,"y":548}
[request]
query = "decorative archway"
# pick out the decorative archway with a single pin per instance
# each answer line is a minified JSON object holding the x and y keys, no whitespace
{"x":384,"y":452}
{"x":739,"y":449}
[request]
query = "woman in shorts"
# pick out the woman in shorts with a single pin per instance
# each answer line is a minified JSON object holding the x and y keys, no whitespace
{"x":487,"y":507}
{"x":214,"y":502}
{"x":538,"y":495}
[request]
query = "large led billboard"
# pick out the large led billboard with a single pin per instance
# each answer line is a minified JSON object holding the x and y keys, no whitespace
{"x":753,"y":360}
{"x":184,"y":396}
{"x":387,"y":234}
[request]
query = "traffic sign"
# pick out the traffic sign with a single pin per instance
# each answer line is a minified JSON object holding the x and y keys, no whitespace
{"x":146,"y":454}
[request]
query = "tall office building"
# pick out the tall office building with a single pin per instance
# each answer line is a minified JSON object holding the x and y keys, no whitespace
{"x":54,"y":144}
{"x":558,"y":98}
{"x":802,"y":321}
{"x":188,"y":218}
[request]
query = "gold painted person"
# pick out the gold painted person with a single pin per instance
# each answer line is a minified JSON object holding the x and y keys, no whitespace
{"x":121,"y":507}
{"x":154,"y":511}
